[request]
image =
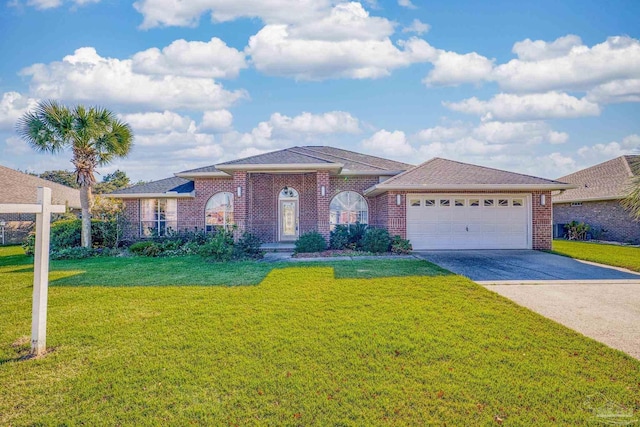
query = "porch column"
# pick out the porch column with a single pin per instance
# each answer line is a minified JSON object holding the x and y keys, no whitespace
{"x":322,"y":203}
{"x":240,"y":200}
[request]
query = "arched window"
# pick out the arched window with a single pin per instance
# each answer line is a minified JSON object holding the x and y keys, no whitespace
{"x":219,"y":211}
{"x":348,"y":207}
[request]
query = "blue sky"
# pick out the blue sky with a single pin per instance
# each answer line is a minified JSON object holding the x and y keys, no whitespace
{"x":543,"y":88}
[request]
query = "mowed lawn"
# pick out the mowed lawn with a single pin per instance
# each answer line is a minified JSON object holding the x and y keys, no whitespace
{"x":302,"y":347}
{"x":616,"y":255}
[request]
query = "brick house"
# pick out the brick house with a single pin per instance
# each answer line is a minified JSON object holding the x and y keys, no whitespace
{"x":440,"y":204}
{"x":18,"y":187}
{"x":596,"y":200}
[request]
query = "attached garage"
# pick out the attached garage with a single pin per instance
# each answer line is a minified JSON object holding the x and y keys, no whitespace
{"x":469,"y":221}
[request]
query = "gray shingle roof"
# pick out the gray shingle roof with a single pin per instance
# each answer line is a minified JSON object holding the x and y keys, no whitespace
{"x":607,"y":180}
{"x":352,"y":161}
{"x":174,"y":184}
{"x":18,"y":187}
{"x":442,"y":172}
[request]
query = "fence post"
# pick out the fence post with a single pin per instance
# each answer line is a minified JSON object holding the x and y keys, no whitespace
{"x":41,"y":273}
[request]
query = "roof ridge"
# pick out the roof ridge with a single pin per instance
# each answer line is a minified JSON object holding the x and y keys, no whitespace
{"x":345,"y":158}
{"x":305,"y":154}
{"x":36,"y":177}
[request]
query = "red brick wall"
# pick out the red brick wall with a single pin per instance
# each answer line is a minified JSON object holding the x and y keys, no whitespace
{"x":191,"y":211}
{"x":397,"y":214}
{"x":264,"y":190}
{"x":132,"y":214}
{"x":240,"y":205}
{"x":542,"y":231}
{"x":322,"y":202}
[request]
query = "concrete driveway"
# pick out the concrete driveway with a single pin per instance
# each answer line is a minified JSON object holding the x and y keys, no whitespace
{"x":520,"y":265}
{"x":599,"y":302}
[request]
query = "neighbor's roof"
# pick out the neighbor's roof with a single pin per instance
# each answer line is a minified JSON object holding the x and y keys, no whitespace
{"x":443,"y":174}
{"x":605,"y":181}
{"x":168,"y":187}
{"x":18,"y":187}
{"x":303,"y":158}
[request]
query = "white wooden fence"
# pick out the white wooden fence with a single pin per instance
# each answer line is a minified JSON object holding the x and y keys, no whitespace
{"x":43,"y":210}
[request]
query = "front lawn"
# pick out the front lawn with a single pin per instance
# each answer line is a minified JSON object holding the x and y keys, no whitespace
{"x":300,"y":348}
{"x":615,"y":255}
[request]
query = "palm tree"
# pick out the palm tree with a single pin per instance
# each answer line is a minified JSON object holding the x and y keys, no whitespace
{"x":94,"y":135}
{"x":632,"y":202}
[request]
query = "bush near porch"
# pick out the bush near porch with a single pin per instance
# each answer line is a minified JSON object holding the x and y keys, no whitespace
{"x":303,"y":347}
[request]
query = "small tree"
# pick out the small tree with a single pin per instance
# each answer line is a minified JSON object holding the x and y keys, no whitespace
{"x":632,"y":202}
{"x":94,"y":135}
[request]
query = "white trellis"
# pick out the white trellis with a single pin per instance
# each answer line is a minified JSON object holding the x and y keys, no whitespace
{"x":43,"y":210}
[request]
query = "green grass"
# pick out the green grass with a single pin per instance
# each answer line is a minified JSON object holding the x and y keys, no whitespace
{"x":618,"y":256}
{"x":301,"y":348}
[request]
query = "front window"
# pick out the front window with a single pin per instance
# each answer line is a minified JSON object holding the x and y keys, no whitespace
{"x":158,"y":216}
{"x":219,"y":212}
{"x":348,"y":208}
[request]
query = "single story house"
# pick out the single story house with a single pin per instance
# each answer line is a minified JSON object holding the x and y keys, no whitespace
{"x":440,"y":204}
{"x":18,"y":187}
{"x":596,"y":200}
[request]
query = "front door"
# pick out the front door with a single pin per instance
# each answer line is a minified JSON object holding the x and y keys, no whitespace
{"x":288,"y":220}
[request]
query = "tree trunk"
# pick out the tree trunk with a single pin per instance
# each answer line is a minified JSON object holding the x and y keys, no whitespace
{"x":85,"y":203}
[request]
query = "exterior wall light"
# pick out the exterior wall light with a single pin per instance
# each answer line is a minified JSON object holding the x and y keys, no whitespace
{"x":323,"y":190}
{"x":543,"y":199}
{"x":398,"y":199}
{"x":239,"y":191}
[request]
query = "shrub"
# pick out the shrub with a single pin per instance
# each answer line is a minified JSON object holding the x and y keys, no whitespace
{"x":248,"y":246}
{"x":576,"y":230}
{"x":347,"y":236}
{"x":138,"y":248}
{"x":376,"y":240}
{"x":66,"y":234}
{"x":219,"y":247}
{"x":400,"y":246}
{"x":311,"y":242}
{"x":73,"y":253}
{"x":152,"y":250}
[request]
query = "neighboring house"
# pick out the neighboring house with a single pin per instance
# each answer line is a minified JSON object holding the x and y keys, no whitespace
{"x":18,"y":187}
{"x":440,"y":204}
{"x":596,"y":200}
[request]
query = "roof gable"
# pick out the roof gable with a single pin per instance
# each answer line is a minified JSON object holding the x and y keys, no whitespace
{"x":605,"y":181}
{"x":19,"y":187}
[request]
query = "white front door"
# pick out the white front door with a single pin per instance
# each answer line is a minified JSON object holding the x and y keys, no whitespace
{"x":469,"y":221}
{"x":288,"y":221}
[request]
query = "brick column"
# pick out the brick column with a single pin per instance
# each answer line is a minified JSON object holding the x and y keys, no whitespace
{"x":542,"y":219}
{"x":396,"y":214}
{"x":240,"y":202}
{"x":322,"y":203}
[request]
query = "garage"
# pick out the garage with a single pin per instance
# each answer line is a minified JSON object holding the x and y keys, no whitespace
{"x":469,"y":221}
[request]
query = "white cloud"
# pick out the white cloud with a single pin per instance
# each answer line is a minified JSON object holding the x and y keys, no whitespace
{"x":600,"y":152}
{"x":616,"y":91}
{"x":451,"y":69}
{"x":188,"y":13}
{"x":388,"y":143}
{"x":528,"y":50}
{"x":16,"y":146}
{"x":513,"y":107}
{"x":12,"y":106}
{"x":86,"y":76}
{"x":417,"y":27}
{"x":347,"y":44}
{"x":320,"y":124}
{"x":346,"y":21}
{"x":566,"y":65}
{"x":216,"y":120}
{"x":166,"y":121}
{"x":407,"y":4}
{"x":518,"y":132}
{"x":213,"y":59}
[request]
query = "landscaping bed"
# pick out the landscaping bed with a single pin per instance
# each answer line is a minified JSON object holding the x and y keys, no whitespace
{"x":332,"y":253}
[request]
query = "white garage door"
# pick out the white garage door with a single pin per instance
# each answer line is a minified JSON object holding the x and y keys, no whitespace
{"x":441,"y":221}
